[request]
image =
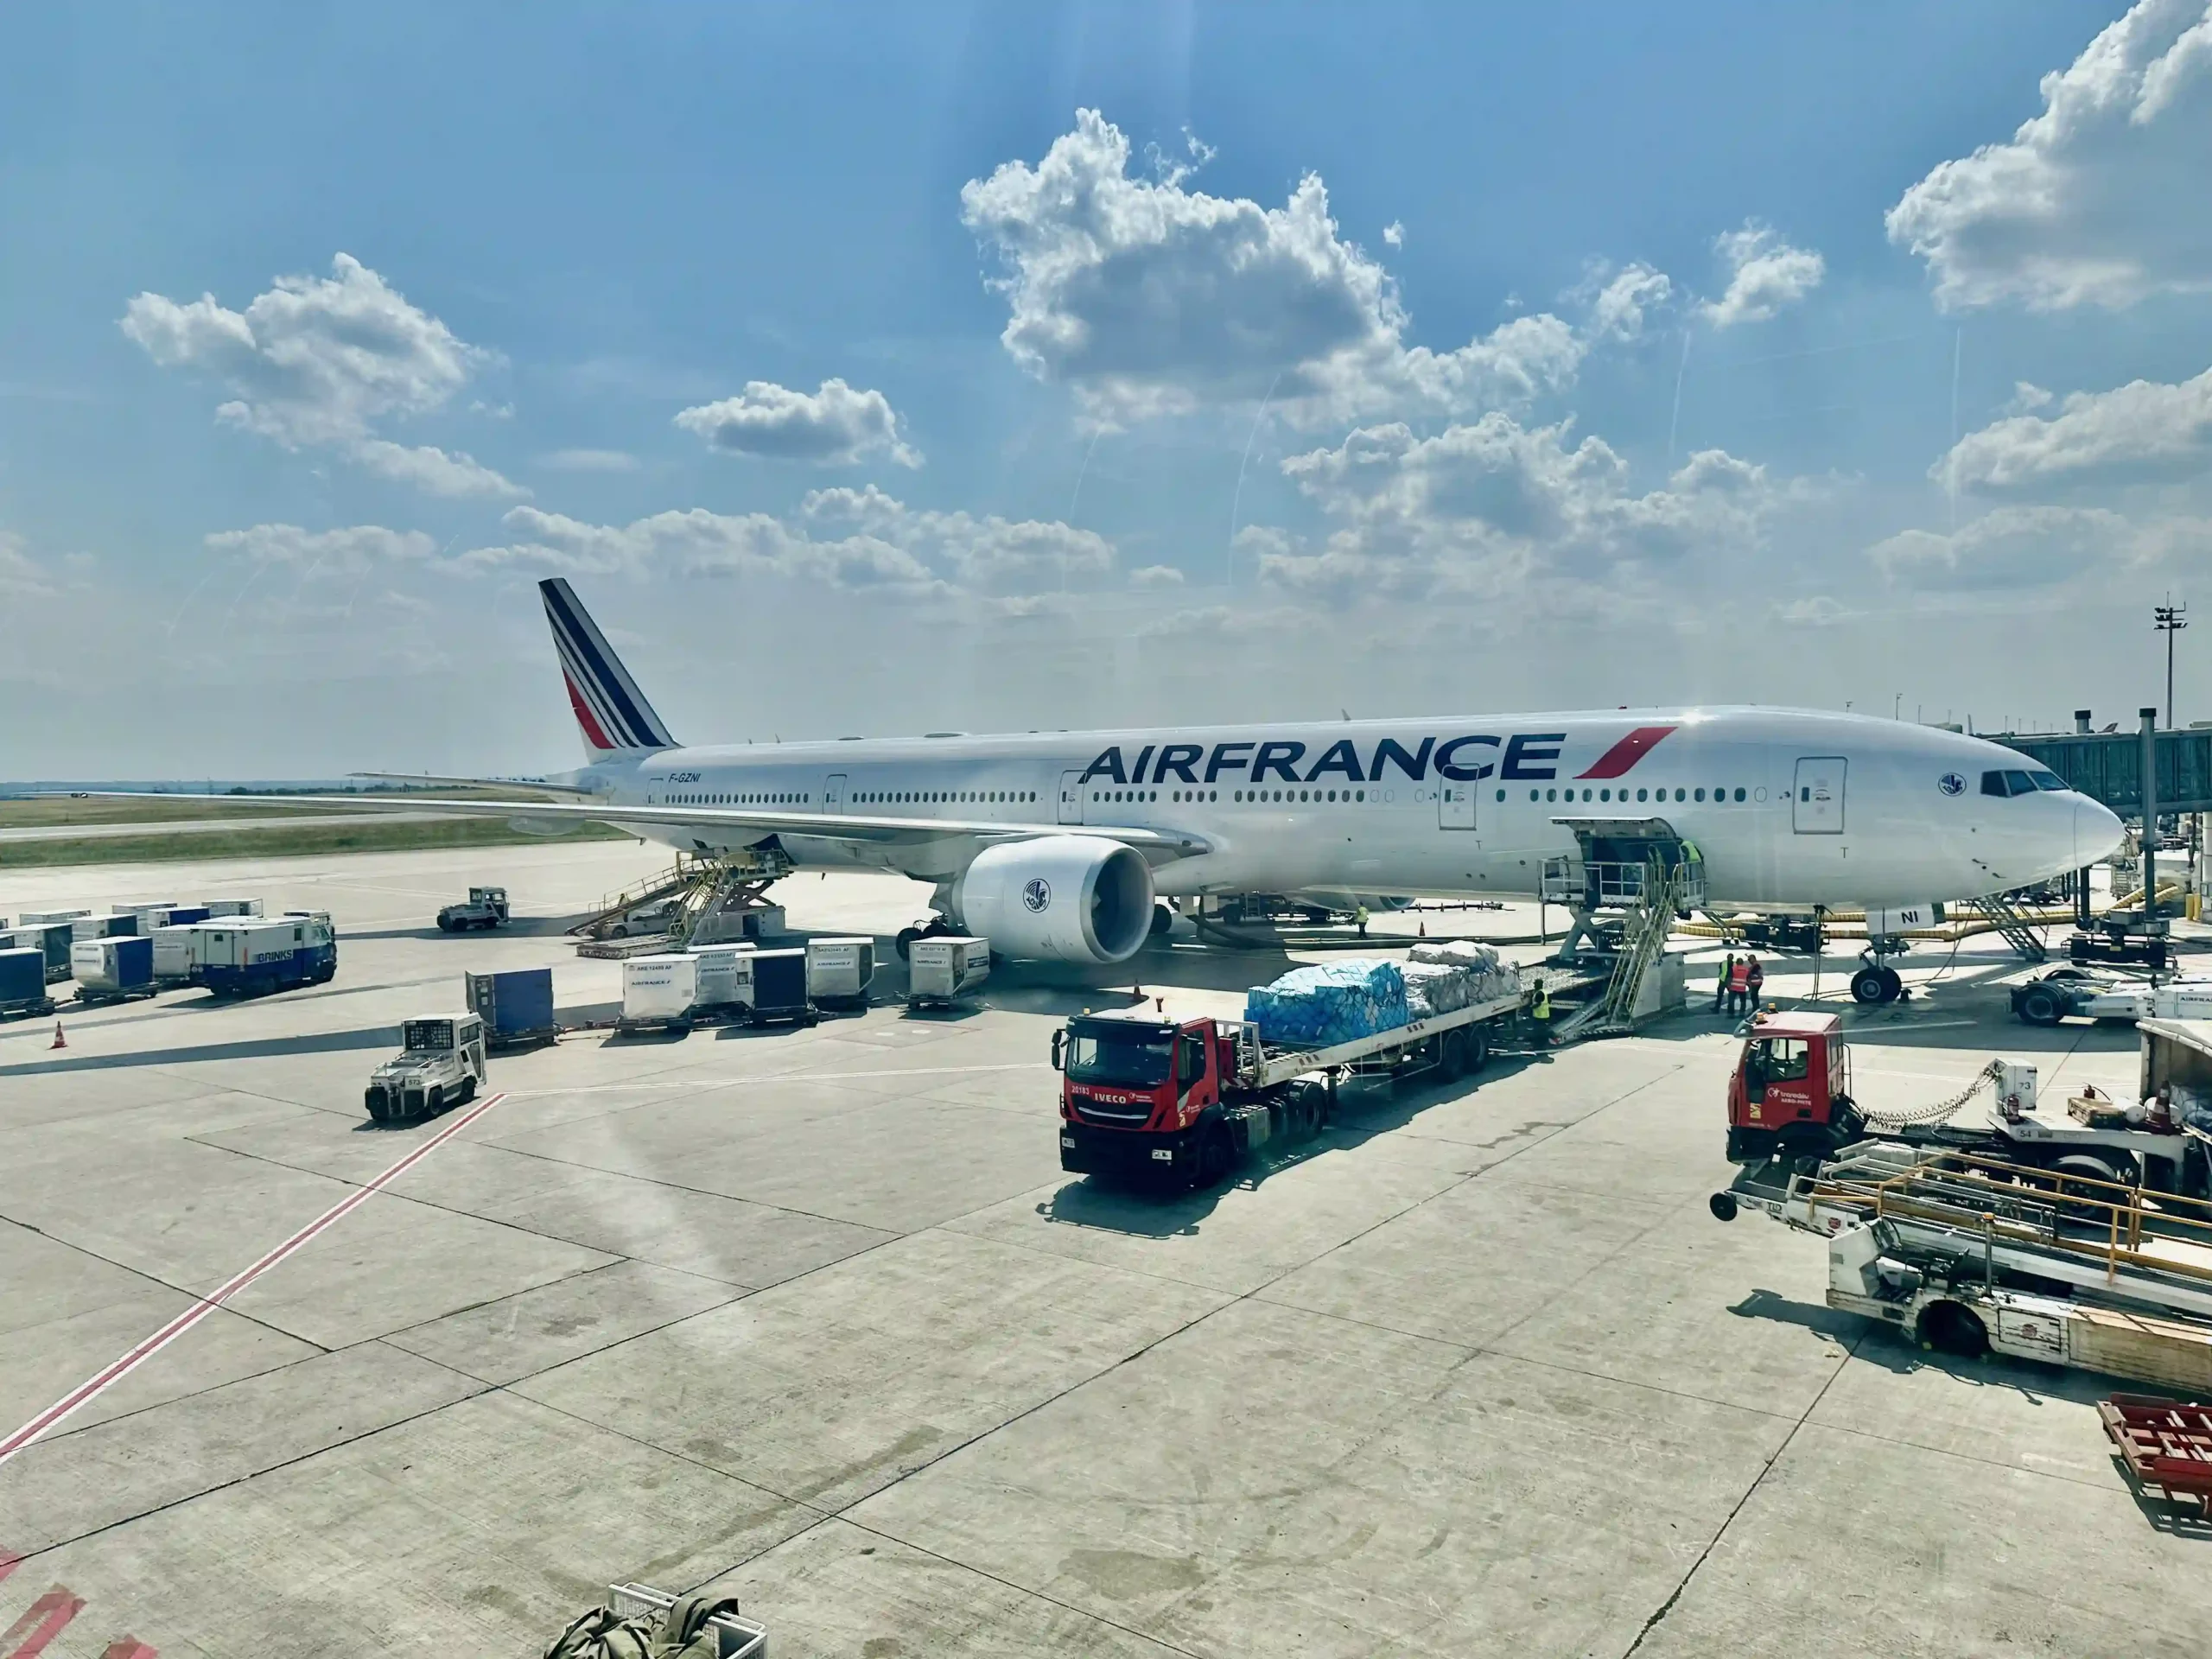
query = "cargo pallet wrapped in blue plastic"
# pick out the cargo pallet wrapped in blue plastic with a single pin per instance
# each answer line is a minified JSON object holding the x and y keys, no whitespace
{"x":1329,"y":1003}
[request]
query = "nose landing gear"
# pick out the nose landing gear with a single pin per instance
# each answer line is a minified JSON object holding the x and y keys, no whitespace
{"x":1876,"y":982}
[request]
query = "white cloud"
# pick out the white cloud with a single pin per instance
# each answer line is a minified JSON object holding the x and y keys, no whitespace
{"x":1764,"y":275}
{"x":1815,"y":611}
{"x":1486,"y":508}
{"x":840,"y":539}
{"x":2020,"y":547}
{"x":590,"y":461}
{"x":432,"y":470}
{"x":316,"y":362}
{"x":835,"y":426}
{"x":1156,"y":576}
{"x":1153,"y":299}
{"x":2146,"y":430}
{"x":353,"y":549}
{"x":1394,"y":234}
{"x":2099,"y":199}
{"x":21,"y":575}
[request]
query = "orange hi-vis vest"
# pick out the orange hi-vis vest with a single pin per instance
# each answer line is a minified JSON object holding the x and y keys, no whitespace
{"x":1739,"y":977}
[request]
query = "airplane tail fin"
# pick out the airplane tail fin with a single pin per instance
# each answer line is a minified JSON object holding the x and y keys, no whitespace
{"x":612,"y":712}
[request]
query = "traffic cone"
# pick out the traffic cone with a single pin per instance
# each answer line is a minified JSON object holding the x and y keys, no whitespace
{"x":1424,"y":930}
{"x":60,"y":1041}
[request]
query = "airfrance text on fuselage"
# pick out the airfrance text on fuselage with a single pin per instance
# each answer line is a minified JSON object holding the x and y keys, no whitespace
{"x":1531,"y":755}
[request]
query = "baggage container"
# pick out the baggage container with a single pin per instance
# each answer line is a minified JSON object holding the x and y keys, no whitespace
{"x":111,"y":925}
{"x":179,"y":915}
{"x":515,"y":1006}
{"x":941,"y":971}
{"x":659,"y":991}
{"x":725,"y":978}
{"x":838,"y":970}
{"x":23,"y":983}
{"x":53,"y":938}
{"x":232,"y":906}
{"x":779,"y":987}
{"x":31,"y":918}
{"x":176,"y":954}
{"x":110,"y":969}
{"x":748,"y":925}
{"x":250,"y":957}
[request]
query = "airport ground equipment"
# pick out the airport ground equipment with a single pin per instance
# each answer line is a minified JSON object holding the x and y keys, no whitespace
{"x":1790,"y":1103}
{"x":2113,"y":943}
{"x":31,"y":918}
{"x":838,"y":970}
{"x":109,"y":926}
{"x":515,"y":1006}
{"x":485,"y":908}
{"x":942,"y":971}
{"x":1971,"y":1255}
{"x":440,"y":1063}
{"x":2165,"y":1443}
{"x":659,"y":992}
{"x":1143,"y":1092}
{"x":778,"y":992}
{"x":727,"y":1633}
{"x":176,"y":954}
{"x":2070,"y":992}
{"x":23,"y":984}
{"x":252,"y":955}
{"x":232,"y":907}
{"x":51,"y":939}
{"x":115,"y":967}
{"x":704,"y":898}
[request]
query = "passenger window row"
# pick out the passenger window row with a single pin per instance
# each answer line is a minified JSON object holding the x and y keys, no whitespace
{"x":741,"y":800}
{"x":944,"y":796}
{"x":1659,"y":795}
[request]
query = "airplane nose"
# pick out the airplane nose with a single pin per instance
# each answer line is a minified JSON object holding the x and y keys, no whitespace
{"x":2097,"y":833}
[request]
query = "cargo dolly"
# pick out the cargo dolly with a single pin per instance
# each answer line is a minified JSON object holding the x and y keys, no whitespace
{"x":2165,"y":1443}
{"x":735,"y":1636}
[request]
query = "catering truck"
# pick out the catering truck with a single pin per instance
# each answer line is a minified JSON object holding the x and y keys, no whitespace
{"x":1142,"y":1091}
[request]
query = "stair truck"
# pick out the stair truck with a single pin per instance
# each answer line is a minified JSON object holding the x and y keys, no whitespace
{"x":1957,"y":1253}
{"x":1791,"y":1106}
{"x":1142,"y":1092}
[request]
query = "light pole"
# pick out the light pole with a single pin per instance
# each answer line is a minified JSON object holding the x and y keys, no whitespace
{"x":2171,"y":619}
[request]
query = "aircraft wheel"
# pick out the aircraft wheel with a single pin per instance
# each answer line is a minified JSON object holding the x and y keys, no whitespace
{"x":905,"y":941}
{"x":1867,"y":989}
{"x":2039,"y":1006}
{"x":1892,"y":985}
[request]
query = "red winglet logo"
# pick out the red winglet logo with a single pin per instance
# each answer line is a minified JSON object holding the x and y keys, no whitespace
{"x":1626,"y":752}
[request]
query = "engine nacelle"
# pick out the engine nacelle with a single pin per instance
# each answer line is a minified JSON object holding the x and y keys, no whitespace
{"x":1057,"y":898}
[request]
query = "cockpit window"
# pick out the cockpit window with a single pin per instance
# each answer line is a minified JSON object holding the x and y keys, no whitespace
{"x":2002,"y":784}
{"x":2048,"y":779}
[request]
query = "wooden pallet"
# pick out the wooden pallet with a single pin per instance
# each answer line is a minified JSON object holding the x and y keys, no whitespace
{"x":2166,"y":1443}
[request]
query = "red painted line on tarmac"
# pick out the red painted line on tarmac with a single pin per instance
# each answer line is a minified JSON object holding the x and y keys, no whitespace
{"x":8,"y":1564}
{"x":109,"y":1374}
{"x":129,"y":1647}
{"x":50,"y":1614}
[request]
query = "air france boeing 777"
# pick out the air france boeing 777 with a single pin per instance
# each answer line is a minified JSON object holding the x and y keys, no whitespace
{"x":1059,"y":845}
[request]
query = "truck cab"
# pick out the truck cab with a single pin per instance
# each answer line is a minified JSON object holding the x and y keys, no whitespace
{"x":485,"y":908}
{"x":440,"y":1064}
{"x":1791,"y":1093}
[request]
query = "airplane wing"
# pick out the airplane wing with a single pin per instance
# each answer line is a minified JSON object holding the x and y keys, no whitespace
{"x":423,"y":780}
{"x":1159,"y":846}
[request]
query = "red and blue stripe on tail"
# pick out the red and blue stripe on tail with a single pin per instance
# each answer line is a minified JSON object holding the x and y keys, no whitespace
{"x":611,"y":710}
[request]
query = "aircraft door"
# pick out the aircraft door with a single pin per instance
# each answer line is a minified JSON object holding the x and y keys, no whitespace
{"x":1070,"y":798}
{"x":1816,"y":804}
{"x":1455,"y":806}
{"x":832,"y":792}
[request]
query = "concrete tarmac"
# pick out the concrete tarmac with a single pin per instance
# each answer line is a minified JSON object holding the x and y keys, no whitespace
{"x":814,"y":1318}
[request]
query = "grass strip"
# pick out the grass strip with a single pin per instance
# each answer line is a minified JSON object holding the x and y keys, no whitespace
{"x":267,"y":839}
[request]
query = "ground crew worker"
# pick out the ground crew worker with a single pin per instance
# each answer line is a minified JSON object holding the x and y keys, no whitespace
{"x":1739,"y":984}
{"x":1540,"y":1011}
{"x":1359,"y":915}
{"x":1754,"y":979}
{"x":1720,"y":984}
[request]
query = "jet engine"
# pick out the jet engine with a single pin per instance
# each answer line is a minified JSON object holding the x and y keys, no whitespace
{"x":1057,"y":898}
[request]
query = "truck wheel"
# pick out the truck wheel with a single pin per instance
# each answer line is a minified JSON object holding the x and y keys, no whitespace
{"x":468,"y":1091}
{"x":379,"y":1112}
{"x":2087,"y":1167}
{"x":1451,"y":1058}
{"x":1951,"y":1329}
{"x":1478,"y":1053}
{"x":435,"y":1104}
{"x":1867,"y":989}
{"x":2039,"y":1006}
{"x":445,"y":924}
{"x":1215,"y":1156}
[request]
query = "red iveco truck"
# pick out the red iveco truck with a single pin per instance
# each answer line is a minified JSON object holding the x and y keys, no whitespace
{"x":1143,"y":1091}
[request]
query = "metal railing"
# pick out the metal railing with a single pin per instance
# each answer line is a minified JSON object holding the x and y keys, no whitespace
{"x":1610,"y":884}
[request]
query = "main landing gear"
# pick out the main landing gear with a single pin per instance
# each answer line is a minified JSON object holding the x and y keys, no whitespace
{"x":937,"y":928}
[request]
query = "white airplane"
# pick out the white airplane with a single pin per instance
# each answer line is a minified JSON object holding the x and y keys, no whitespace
{"x":1060,"y":845}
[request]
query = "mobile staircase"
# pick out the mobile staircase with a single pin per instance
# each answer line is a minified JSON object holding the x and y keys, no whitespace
{"x":2009,"y":920}
{"x":697,"y":888}
{"x":1661,"y":893}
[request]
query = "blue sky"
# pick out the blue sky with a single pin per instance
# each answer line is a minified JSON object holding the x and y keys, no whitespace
{"x":1618,"y":366}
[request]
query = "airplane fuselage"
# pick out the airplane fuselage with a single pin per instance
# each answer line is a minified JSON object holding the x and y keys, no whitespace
{"x":1787,"y":808}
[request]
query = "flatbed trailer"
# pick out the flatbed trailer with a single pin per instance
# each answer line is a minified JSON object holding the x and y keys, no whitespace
{"x":1958,"y":1255}
{"x":1143,"y":1092}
